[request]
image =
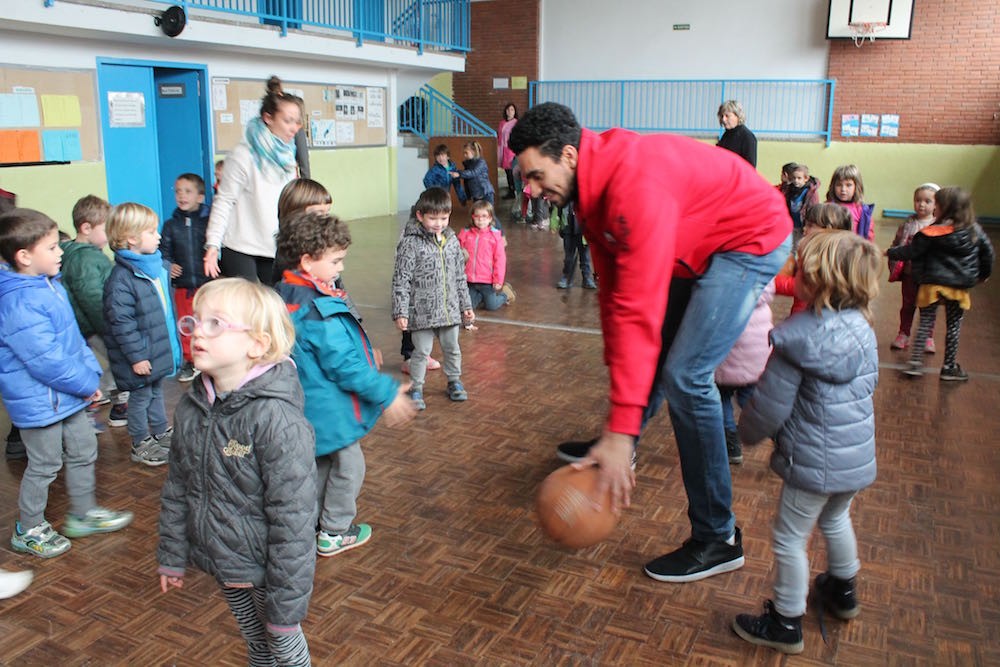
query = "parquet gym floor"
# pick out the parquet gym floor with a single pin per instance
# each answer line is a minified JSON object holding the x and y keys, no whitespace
{"x":457,"y":573}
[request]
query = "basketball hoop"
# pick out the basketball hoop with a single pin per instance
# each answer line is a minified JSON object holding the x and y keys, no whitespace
{"x":866,"y":30}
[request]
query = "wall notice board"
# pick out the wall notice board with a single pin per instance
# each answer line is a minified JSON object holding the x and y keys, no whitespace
{"x":48,"y":115}
{"x":336,"y":116}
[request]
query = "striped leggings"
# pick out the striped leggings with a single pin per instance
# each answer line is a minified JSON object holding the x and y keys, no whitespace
{"x":265,"y":649}
{"x":953,"y":315}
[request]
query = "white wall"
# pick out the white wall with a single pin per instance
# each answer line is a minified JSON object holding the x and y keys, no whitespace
{"x":728,"y":39}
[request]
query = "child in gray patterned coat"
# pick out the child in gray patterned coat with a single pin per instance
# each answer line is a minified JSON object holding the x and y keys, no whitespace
{"x":430,"y":296}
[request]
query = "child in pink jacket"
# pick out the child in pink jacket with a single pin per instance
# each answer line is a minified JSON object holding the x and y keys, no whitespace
{"x":737,"y":375}
{"x":486,"y":259}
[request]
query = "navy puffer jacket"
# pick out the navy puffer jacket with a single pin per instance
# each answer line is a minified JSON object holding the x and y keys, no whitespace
{"x":815,"y":399}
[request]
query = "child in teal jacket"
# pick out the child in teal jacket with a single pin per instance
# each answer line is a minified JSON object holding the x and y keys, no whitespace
{"x":339,"y":370}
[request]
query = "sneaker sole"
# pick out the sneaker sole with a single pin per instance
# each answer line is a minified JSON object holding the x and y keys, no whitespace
{"x":117,"y":422}
{"x":721,"y":568}
{"x":949,"y":378}
{"x":735,"y":460}
{"x":913,"y":372}
{"x":343,"y":549}
{"x":151,"y":464}
{"x":25,"y":549}
{"x":74,"y":534}
{"x":777,"y":646}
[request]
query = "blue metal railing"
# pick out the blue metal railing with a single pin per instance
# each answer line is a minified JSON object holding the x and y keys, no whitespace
{"x":430,"y":113}
{"x":442,"y":25}
{"x":777,"y":108}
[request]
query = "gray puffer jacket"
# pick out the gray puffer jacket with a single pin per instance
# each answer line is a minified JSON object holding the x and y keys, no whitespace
{"x":239,"y":501}
{"x":428,"y":283}
{"x":815,"y":399}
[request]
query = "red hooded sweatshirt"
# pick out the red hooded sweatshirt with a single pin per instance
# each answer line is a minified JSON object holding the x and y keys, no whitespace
{"x":654,"y":207}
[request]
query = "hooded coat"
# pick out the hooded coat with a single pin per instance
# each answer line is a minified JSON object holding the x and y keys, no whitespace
{"x":85,"y":269}
{"x":815,"y":399}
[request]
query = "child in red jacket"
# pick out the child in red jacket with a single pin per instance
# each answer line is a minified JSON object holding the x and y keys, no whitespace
{"x":822,"y":217}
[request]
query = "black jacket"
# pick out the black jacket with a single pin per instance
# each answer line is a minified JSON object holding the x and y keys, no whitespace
{"x":183,"y":243}
{"x":239,"y":501}
{"x":943,"y":255}
{"x":741,"y":141}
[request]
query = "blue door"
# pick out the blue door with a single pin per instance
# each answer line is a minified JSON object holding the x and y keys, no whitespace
{"x":179,"y":131}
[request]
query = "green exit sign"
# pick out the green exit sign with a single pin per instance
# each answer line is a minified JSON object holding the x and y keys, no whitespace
{"x":682,"y":26}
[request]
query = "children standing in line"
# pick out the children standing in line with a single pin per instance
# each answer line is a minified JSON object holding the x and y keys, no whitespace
{"x":239,"y":501}
{"x":183,"y":246}
{"x":85,"y":269}
{"x":949,"y":258}
{"x":344,"y":392}
{"x":574,"y":246}
{"x":142,"y":334}
{"x":430,"y":297}
{"x":476,"y":174}
{"x":440,"y":173}
{"x":819,"y":218}
{"x":923,"y":215}
{"x":801,"y":193}
{"x":738,"y":373}
{"x":49,"y":378}
{"x":815,"y":400}
{"x":848,"y":190}
{"x":486,"y":265}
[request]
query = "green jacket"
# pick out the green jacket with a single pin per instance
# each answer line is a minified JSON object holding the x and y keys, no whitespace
{"x":85,"y":268}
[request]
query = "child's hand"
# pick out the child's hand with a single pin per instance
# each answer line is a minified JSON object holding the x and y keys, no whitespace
{"x":96,"y":396}
{"x":402,"y":323}
{"x":377,"y":354}
{"x":469,"y":316}
{"x":170,"y":582}
{"x":401,"y":410}
{"x":497,"y":287}
{"x":142,"y":367}
{"x":454,"y":174}
{"x":176,"y":270}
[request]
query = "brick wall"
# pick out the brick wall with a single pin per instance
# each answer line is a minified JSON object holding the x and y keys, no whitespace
{"x":504,"y":44}
{"x":944,"y":82}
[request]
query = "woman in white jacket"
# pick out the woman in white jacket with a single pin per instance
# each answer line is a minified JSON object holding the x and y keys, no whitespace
{"x":244,"y":217}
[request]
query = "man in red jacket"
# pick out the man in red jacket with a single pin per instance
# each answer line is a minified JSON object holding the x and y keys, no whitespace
{"x":655,"y":209}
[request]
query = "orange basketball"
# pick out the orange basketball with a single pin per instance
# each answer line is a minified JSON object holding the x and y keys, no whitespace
{"x":565,"y":509}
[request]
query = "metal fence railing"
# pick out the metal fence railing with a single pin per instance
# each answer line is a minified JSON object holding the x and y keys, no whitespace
{"x":775,"y":108}
{"x":430,"y":113}
{"x":441,"y":25}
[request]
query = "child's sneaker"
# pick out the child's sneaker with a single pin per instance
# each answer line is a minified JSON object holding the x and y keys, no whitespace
{"x":901,"y":342}
{"x":929,"y":347}
{"x":148,"y":452}
{"x":118,"y":416}
{"x":771,"y":629}
{"x":15,"y":446}
{"x":588,"y":283}
{"x":564,"y":283}
{"x":509,"y":291}
{"x":432,"y":365}
{"x":41,"y":541}
{"x":12,"y":583}
{"x":913,"y":369}
{"x":330,"y":545}
{"x":165,"y":439}
{"x":954,"y":374}
{"x":418,"y":399}
{"x":456,"y":391}
{"x":187,"y":372}
{"x":734,"y":447}
{"x":96,"y":520}
{"x":95,"y":423}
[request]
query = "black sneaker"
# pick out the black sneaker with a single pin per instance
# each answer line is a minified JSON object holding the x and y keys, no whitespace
{"x":771,"y":629}
{"x":954,"y":374}
{"x":574,"y":451}
{"x":187,"y":372}
{"x":734,"y":448}
{"x":15,"y":446}
{"x":118,"y":416}
{"x":697,"y":560}
{"x":838,"y":595}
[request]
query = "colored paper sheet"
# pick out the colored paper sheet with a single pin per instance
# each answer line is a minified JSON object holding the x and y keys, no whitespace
{"x":18,"y":110}
{"x":518,"y":83}
{"x":61,"y":145}
{"x":61,"y":111}
{"x":850,"y":124}
{"x":890,"y":125}
{"x":19,"y":146}
{"x":869,"y":125}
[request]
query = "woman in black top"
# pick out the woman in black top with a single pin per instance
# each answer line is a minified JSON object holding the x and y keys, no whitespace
{"x":737,"y":137}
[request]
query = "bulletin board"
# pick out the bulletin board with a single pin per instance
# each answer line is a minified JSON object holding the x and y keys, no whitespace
{"x":336,"y":116}
{"x":48,"y":115}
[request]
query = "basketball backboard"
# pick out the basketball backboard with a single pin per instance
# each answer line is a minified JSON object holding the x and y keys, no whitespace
{"x":878,"y":19}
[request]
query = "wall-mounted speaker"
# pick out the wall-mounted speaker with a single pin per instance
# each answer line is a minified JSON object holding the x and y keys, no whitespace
{"x":171,"y":21}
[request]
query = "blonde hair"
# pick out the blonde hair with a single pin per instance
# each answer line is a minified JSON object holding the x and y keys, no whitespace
{"x":475,"y":147}
{"x":127,"y":221}
{"x":847,"y":172}
{"x":734,"y":108}
{"x":257,"y":306}
{"x":839,"y":270}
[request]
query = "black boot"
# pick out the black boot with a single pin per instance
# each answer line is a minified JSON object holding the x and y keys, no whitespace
{"x":771,"y":629}
{"x":734,"y":448}
{"x":837,"y":595}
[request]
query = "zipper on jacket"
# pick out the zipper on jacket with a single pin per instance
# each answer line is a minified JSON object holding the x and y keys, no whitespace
{"x":190,"y":234}
{"x":444,"y":277}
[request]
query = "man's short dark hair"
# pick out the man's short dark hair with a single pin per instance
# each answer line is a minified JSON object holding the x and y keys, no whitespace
{"x":310,"y":234}
{"x":547,"y":127}
{"x":433,"y":200}
{"x":21,"y":229}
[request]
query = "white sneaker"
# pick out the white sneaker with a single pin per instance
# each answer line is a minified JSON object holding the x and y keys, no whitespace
{"x":12,"y":583}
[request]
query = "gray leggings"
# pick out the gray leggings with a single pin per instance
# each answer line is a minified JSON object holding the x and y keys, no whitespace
{"x":71,"y":440}
{"x":264,"y":648}
{"x":798,"y":512}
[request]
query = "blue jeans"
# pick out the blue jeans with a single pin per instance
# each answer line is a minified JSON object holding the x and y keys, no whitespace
{"x":742,"y":395}
{"x":719,"y":308}
{"x":483,"y":294}
{"x":147,"y":413}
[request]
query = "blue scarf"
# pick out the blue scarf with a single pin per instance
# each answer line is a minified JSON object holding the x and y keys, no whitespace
{"x":274,"y":157}
{"x":152,"y":267}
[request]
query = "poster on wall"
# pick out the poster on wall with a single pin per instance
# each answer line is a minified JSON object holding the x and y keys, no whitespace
{"x":323,"y":132}
{"x":126,"y":109}
{"x":890,"y":125}
{"x":376,"y":107}
{"x":869,"y":125}
{"x":849,"y":125}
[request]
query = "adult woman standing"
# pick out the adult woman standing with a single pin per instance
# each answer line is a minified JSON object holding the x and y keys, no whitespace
{"x":244,"y":215}
{"x":505,"y":156}
{"x":737,"y":137}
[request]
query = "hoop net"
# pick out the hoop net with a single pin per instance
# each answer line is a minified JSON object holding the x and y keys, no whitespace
{"x":866,"y":30}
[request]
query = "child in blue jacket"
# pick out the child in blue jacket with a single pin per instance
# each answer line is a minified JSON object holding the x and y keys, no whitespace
{"x":339,"y":370}
{"x":439,"y":175}
{"x":48,"y":377}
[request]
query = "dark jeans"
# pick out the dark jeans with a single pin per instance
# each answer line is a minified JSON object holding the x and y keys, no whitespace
{"x":742,"y":395}
{"x":255,"y":269}
{"x":574,"y":249}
